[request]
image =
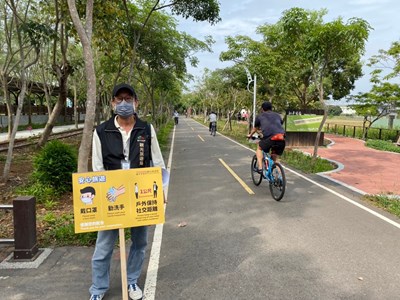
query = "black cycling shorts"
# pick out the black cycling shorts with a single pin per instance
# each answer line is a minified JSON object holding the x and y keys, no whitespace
{"x":276,"y":146}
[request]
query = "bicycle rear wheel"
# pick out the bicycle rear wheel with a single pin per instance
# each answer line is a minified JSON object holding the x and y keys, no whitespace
{"x":277,"y":186}
{"x":257,"y":177}
{"x":213,"y":129}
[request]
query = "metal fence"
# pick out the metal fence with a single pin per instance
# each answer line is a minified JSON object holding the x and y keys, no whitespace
{"x":357,"y":132}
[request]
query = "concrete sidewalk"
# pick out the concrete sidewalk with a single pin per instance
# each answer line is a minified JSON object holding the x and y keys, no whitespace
{"x":34,"y":132}
{"x":362,"y":169}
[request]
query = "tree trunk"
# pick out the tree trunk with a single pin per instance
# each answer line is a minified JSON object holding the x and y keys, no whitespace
{"x":29,"y":112}
{"x":76,"y":117}
{"x":62,"y":97}
{"x":21,"y":96}
{"x":85,"y":35}
{"x":321,"y":125}
{"x":10,"y":111}
{"x":46,"y":93}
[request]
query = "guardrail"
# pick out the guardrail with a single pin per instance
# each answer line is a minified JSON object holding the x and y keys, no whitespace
{"x":24,"y":216}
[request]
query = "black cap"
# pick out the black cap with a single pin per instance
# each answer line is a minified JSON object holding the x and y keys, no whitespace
{"x":266,"y":106}
{"x":123,"y":86}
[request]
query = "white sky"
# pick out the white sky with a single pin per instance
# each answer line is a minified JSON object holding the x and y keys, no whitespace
{"x":242,"y":17}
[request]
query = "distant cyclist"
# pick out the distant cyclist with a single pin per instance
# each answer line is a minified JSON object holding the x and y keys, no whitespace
{"x":213,"y":119}
{"x":273,"y":134}
{"x":176,"y":117}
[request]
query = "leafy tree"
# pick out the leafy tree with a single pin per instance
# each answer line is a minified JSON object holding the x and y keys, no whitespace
{"x":334,"y":110}
{"x":386,"y":60}
{"x":335,"y":66}
{"x":162,"y":57}
{"x":377,"y":103}
{"x":199,"y":10}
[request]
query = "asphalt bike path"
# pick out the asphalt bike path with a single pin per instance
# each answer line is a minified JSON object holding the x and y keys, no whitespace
{"x":220,"y":242}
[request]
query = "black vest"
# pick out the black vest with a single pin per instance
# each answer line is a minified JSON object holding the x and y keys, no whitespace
{"x":112,"y":147}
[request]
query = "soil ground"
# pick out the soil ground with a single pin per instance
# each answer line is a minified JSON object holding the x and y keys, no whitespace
{"x":21,"y":169}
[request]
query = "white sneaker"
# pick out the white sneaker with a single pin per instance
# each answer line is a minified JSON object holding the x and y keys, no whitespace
{"x":135,"y":293}
{"x":96,"y":297}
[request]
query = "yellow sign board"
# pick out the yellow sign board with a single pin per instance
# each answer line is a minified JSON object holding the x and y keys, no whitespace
{"x":117,"y":199}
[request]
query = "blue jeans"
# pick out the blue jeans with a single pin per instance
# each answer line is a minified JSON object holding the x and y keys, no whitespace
{"x":101,"y":259}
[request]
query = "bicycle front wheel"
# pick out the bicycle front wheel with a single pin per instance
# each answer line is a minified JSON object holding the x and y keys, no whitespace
{"x":277,"y":185}
{"x":257,"y":177}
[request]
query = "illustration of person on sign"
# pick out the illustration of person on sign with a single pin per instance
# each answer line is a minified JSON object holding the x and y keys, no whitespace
{"x":155,"y":188}
{"x":136,"y":190}
{"x":87,"y":195}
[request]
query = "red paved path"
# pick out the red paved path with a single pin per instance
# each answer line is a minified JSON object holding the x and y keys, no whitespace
{"x":366,"y":169}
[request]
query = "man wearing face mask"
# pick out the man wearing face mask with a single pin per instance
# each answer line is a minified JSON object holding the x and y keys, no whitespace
{"x":122,"y":142}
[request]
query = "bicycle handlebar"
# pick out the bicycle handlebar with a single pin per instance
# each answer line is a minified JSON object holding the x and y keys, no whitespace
{"x":253,"y":139}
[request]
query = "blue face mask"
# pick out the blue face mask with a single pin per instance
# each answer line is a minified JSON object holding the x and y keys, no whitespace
{"x":124,"y":109}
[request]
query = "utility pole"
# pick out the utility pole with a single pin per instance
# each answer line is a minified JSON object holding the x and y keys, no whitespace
{"x":249,"y":81}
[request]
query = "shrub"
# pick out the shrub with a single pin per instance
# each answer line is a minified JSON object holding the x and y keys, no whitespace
{"x":54,"y":164}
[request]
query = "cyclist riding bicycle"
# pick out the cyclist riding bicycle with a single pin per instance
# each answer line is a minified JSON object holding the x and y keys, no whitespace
{"x":273,"y":134}
{"x":176,"y":117}
{"x":213,"y":119}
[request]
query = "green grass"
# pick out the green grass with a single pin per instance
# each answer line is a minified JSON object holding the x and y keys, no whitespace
{"x":390,"y":204}
{"x":383,"y":145}
{"x":163,"y":135}
{"x":295,"y":159}
{"x":352,"y":127}
{"x":305,"y":163}
{"x":61,"y":232}
{"x":44,"y":194}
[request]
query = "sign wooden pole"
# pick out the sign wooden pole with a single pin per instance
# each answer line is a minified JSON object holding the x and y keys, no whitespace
{"x":124,"y":279}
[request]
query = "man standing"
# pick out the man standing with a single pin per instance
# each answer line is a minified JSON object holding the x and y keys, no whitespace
{"x":122,"y":142}
{"x":270,"y":124}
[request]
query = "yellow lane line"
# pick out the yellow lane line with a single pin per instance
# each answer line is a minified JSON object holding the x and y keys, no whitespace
{"x":244,"y":185}
{"x":200,"y":138}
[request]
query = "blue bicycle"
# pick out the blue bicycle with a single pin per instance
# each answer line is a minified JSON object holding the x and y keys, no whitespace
{"x":271,"y":171}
